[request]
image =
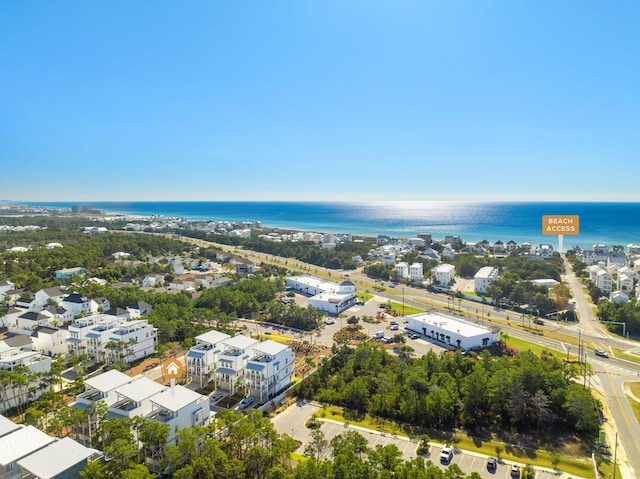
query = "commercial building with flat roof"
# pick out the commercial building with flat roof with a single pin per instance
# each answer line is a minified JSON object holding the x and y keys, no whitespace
{"x":452,"y":332}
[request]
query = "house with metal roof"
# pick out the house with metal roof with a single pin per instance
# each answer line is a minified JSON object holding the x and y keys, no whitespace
{"x":270,"y":370}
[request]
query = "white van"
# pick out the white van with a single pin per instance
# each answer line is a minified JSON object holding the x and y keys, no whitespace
{"x":379,"y":335}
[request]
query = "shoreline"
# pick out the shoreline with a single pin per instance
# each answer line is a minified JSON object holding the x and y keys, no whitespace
{"x":603,"y":223}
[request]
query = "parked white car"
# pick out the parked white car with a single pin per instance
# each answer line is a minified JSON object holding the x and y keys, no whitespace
{"x":446,"y":454}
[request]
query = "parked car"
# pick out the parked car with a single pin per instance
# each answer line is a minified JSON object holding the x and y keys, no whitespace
{"x":538,"y":321}
{"x":492,"y":463}
{"x":414,"y":335}
{"x":515,"y":470}
{"x":446,"y":454}
{"x":245,"y":403}
{"x":602,"y":353}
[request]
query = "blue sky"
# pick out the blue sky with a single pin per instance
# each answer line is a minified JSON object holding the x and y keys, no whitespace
{"x":319,"y":100}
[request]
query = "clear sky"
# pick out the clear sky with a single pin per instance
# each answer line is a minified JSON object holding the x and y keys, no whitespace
{"x":319,"y":100}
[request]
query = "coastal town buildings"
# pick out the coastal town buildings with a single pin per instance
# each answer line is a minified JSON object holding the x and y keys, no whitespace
{"x":324,"y":295}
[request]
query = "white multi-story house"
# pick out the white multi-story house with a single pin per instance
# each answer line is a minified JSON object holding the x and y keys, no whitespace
{"x":27,"y":322}
{"x":63,"y":458}
{"x":133,"y":399}
{"x":131,"y":340}
{"x":180,"y":408}
{"x":483,"y":278}
{"x":402,"y":270}
{"x":625,"y":282}
{"x":48,"y":296}
{"x":50,"y":341}
{"x":77,"y":304}
{"x":12,"y":358}
{"x":448,"y":251}
{"x":128,"y":397}
{"x":601,"y":277}
{"x":444,"y":274}
{"x":111,"y":338}
{"x":270,"y":370}
{"x":152,"y":280}
{"x":5,"y":286}
{"x":139,"y":308}
{"x":18,"y":445}
{"x":100,"y":305}
{"x":232,"y":362}
{"x":388,"y":259}
{"x":202,"y":358}
{"x":60,"y":315}
{"x":416,"y":272}
{"x":102,"y":388}
{"x":78,"y":330}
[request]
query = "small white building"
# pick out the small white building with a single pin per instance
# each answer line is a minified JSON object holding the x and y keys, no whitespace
{"x":483,"y":278}
{"x":618,"y":297}
{"x":452,"y":332}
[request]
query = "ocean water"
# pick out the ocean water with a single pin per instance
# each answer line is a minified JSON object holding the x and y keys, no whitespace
{"x":608,"y":223}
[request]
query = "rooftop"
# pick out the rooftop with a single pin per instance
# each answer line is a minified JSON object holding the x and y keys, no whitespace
{"x":176,"y":398}
{"x":21,"y":442}
{"x":108,"y":381}
{"x":447,"y":323}
{"x":55,"y":458}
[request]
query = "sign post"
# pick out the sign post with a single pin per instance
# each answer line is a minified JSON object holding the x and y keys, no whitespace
{"x":560,"y":225}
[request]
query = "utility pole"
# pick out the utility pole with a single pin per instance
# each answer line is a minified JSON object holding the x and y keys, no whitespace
{"x":615,"y":457}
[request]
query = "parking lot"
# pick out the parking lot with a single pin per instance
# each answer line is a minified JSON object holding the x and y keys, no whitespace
{"x":292,"y":420}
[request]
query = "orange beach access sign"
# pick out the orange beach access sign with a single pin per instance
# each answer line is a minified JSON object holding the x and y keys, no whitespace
{"x":560,"y":225}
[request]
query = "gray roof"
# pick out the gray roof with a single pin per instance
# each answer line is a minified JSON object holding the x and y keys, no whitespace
{"x":108,"y":381}
{"x":20,"y":443}
{"x":6,"y":426}
{"x":56,"y":458}
{"x":140,"y":389}
{"x":176,"y":398}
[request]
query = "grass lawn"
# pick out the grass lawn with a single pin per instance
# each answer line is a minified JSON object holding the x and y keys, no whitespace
{"x":522,"y":345}
{"x":635,"y":405}
{"x":408,"y":310}
{"x":622,"y":354}
{"x":579,"y":466}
